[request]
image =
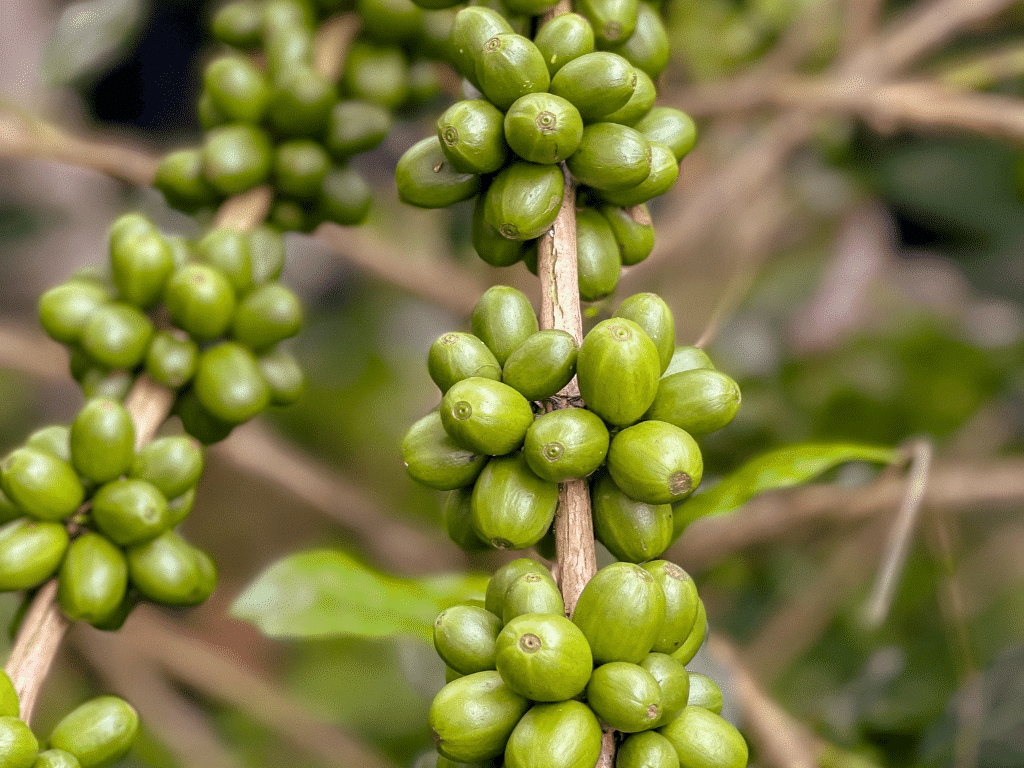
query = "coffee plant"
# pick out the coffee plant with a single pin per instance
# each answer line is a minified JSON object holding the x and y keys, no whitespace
{"x":585,"y":440}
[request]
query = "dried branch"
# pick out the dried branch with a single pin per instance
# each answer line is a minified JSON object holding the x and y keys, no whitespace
{"x":333,"y":38}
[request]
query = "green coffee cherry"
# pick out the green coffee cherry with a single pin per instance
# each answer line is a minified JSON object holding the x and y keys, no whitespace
{"x":179,"y":507}
{"x":472,"y":137}
{"x":503,"y":318}
{"x":266,"y":253}
{"x":436,"y":460}
{"x":597,"y":84}
{"x":455,"y":515}
{"x":562,"y":734}
{"x":471,"y":28}
{"x":701,"y":737}
{"x":130,"y":511}
{"x":532,"y":593}
{"x":464,"y":637}
{"x":56,"y":758}
{"x":30,"y":552}
{"x":102,"y":440}
{"x":542,"y":364}
{"x":228,"y":251}
{"x":426,"y":178}
{"x":228,"y":383}
{"x":300,"y":102}
{"x":180,"y":178}
{"x":92,"y":583}
{"x":699,"y":401}
{"x":267,"y":316}
{"x":472,"y":717}
{"x":9,"y":705}
{"x":650,"y":312}
{"x":103,"y":383}
{"x":172,"y":358}
{"x":524,"y":199}
{"x":40,"y":484}
{"x":696,"y":637}
{"x":98,"y":732}
{"x":489,"y":243}
{"x":563,"y":39}
{"x":512,"y":508}
{"x":200,"y":301}
{"x":344,"y":198}
{"x":613,"y":20}
{"x":376,"y":73}
{"x":618,"y":370}
{"x":173,"y":464}
{"x":673,"y":681}
{"x":635,"y":240}
{"x":647,"y":48}
{"x":390,"y":20}
{"x":8,"y":509}
{"x":704,"y":693}
{"x":170,"y":571}
{"x":237,"y":88}
{"x":486,"y":416}
{"x":283,"y":375}
{"x":639,"y":104}
{"x":356,"y":126}
{"x":664,"y":172}
{"x":300,"y":166}
{"x":597,"y":256}
{"x":54,"y":439}
{"x":292,"y":215}
{"x":457,"y":356}
{"x":631,"y":530}
{"x":543,"y":128}
{"x":65,"y":309}
{"x":543,"y":657}
{"x":239,"y":24}
{"x":566,"y":444}
{"x":655,"y":462}
{"x":669,"y":126}
{"x":624,"y":695}
{"x":620,"y":610}
{"x":687,"y":359}
{"x":611,"y":157}
{"x":18,"y":747}
{"x":647,"y":749}
{"x":681,"y":604}
{"x":117,"y":335}
{"x":504,"y":576}
{"x":236,"y":158}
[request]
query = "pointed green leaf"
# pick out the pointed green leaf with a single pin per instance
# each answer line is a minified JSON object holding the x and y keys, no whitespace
{"x":325,"y":593}
{"x":88,"y":35}
{"x":781,"y":468}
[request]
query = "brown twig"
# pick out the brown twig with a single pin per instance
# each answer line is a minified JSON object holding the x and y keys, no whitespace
{"x":333,"y":38}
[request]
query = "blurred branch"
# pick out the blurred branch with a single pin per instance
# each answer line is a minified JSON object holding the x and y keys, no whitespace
{"x":22,"y":135}
{"x":244,"y":211}
{"x":984,"y":69}
{"x":26,"y":349}
{"x":333,"y":37}
{"x":860,"y":22}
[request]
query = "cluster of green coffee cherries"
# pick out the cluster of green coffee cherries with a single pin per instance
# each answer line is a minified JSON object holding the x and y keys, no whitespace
{"x":93,"y":735}
{"x":541,"y":102}
{"x":492,"y":443}
{"x":80,"y":502}
{"x":205,"y":318}
{"x":272,"y":117}
{"x":527,"y":686}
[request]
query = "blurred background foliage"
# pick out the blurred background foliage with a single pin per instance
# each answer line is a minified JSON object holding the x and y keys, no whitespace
{"x":861,"y":278}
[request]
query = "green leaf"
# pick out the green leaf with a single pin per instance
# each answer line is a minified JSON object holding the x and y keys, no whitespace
{"x":326,"y":593}
{"x":781,"y":468}
{"x":88,"y":36}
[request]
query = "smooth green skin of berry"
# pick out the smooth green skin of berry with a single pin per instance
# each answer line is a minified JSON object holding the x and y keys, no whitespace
{"x":664,"y":172}
{"x":563,"y":39}
{"x":635,"y":239}
{"x":597,"y":84}
{"x":532,"y":593}
{"x":565,"y":734}
{"x":172,"y":358}
{"x":464,"y":638}
{"x":471,"y":136}
{"x":647,"y":48}
{"x":617,"y":369}
{"x":510,"y":66}
{"x":237,"y":88}
{"x":56,"y":758}
{"x":200,"y":301}
{"x":486,"y":416}
{"x":65,"y":309}
{"x":102,"y":440}
{"x":376,"y":73}
{"x":503,"y":318}
{"x":542,"y":364}
{"x":674,"y":682}
{"x":8,"y":509}
{"x":631,"y":530}
{"x":655,"y":462}
{"x":700,"y":401}
{"x":239,"y":24}
{"x":650,"y":312}
{"x":434,"y":459}
{"x":344,"y":198}
{"x":613,"y":20}
{"x":512,"y":508}
{"x":543,"y":657}
{"x":9,"y":705}
{"x":356,"y":126}
{"x":687,"y":358}
{"x":267,"y":316}
{"x":472,"y":717}
{"x":41,"y":484}
{"x":647,"y":749}
{"x":170,"y":571}
{"x":18,"y":747}
{"x":566,"y":444}
{"x":671,"y":127}
{"x":620,"y":611}
{"x":117,"y":335}
{"x":502,"y":578}
{"x":173,"y":464}
{"x":291,"y":215}
{"x":283,"y":375}
{"x":229,"y":384}
{"x":98,"y":732}
{"x":455,"y":515}
{"x":472,"y":27}
{"x":390,"y":21}
{"x":704,"y":693}
{"x":524,"y":199}
{"x":130,"y":511}
{"x":210,"y":115}
{"x":703,"y":739}
{"x":113,"y":385}
{"x":180,"y":178}
{"x":287,"y":49}
{"x":266,"y":253}
{"x":426,"y":178}
{"x":198,"y":421}
{"x":597,"y":256}
{"x":696,"y":637}
{"x":611,"y":157}
{"x":140,"y":266}
{"x":639,"y":104}
{"x":300,"y":166}
{"x":228,"y":251}
{"x":301,"y":102}
{"x":236,"y":158}
{"x":30,"y":553}
{"x":624,"y":695}
{"x":543,"y":128}
{"x":180,"y":506}
{"x":457,"y":356}
{"x":128,"y":225}
{"x":489,"y":244}
{"x":55,"y":439}
{"x":681,"y":604}
{"x":92,"y":583}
